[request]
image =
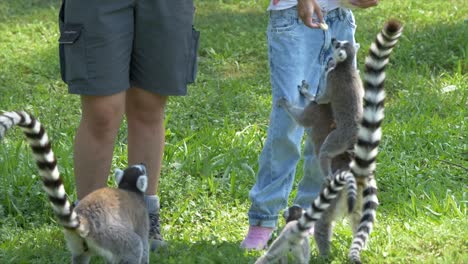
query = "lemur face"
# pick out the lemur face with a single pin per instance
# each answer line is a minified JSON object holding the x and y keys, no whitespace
{"x":342,"y":50}
{"x":132,"y":178}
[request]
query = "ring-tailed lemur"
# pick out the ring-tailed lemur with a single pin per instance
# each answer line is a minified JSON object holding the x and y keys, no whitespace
{"x":362,"y":165}
{"x":112,"y":223}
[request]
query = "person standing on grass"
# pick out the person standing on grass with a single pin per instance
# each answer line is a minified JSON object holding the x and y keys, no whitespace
{"x":298,"y":49}
{"x":125,"y":57}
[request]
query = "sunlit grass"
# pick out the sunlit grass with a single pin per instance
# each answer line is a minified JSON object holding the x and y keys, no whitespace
{"x":215,"y":134}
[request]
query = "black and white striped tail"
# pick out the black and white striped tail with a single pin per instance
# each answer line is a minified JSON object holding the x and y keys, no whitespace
{"x":351,"y":192}
{"x":46,"y":162}
{"x":325,"y":198}
{"x":369,"y":210}
{"x":294,"y":233}
{"x":370,"y":133}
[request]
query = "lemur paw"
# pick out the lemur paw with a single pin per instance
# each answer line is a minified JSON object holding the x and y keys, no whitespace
{"x":283,"y":102}
{"x":304,"y":91}
{"x":304,"y":87}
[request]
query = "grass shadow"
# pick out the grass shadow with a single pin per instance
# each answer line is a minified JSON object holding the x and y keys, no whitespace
{"x":204,"y":252}
{"x":34,"y":246}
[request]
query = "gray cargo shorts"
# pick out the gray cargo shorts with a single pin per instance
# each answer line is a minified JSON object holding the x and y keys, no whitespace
{"x":107,"y":46}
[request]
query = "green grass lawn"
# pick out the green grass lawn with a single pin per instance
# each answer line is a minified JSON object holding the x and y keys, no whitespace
{"x":215,"y":134}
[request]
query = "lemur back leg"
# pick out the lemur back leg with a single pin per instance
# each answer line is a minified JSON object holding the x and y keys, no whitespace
{"x":336,"y":143}
{"x":295,"y":112}
{"x":124,"y":245}
{"x":143,"y":233}
{"x":80,"y":259}
{"x":323,"y":229}
{"x":76,"y":245}
{"x":317,"y":116}
{"x":321,"y":120}
{"x":145,"y":257}
{"x":356,"y":215}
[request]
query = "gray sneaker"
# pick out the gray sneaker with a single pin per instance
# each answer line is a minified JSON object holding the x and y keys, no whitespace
{"x":156,"y":240}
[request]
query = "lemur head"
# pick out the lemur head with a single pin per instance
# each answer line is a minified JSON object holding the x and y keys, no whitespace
{"x":133,"y":178}
{"x":343,"y":50}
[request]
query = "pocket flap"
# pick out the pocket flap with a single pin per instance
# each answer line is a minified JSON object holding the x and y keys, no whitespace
{"x":70,"y":33}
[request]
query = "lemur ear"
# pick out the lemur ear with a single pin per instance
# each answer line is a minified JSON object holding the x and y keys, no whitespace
{"x":118,"y":175}
{"x":142,"y":183}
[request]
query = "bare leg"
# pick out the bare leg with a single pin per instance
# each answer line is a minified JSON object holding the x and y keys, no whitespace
{"x":145,"y":115}
{"x":94,"y":141}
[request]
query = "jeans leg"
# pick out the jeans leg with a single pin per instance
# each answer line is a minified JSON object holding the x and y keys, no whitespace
{"x":311,"y":182}
{"x":342,"y":27}
{"x":294,"y":50}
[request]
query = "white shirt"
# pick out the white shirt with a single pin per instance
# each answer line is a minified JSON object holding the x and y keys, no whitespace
{"x":285,"y":4}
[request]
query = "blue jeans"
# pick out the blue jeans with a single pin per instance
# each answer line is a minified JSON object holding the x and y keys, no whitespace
{"x":296,"y":53}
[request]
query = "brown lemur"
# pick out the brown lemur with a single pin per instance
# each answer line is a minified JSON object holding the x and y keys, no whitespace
{"x":110,"y":222}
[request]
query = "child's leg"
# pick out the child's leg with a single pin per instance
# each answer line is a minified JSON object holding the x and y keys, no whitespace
{"x":293,"y":50}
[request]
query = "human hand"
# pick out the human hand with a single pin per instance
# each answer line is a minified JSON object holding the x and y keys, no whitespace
{"x":305,"y":11}
{"x":363,"y":3}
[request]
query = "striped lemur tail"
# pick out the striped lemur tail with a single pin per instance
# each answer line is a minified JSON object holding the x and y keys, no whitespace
{"x":295,"y":231}
{"x":46,"y":163}
{"x":362,"y":166}
{"x":370,"y":132}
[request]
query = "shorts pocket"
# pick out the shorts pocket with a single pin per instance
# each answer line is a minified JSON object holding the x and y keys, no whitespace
{"x":192,"y":59}
{"x":72,"y":50}
{"x":72,"y":53}
{"x":61,"y":49}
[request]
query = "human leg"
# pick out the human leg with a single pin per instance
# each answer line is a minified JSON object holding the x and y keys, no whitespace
{"x":161,"y":53}
{"x":312,"y":179}
{"x":290,"y":58}
{"x":341,"y":26}
{"x":145,"y":118}
{"x":95,"y":48}
{"x":94,"y":140}
{"x":163,"y":63}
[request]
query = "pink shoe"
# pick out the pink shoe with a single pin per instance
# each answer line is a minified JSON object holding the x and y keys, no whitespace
{"x":257,"y":238}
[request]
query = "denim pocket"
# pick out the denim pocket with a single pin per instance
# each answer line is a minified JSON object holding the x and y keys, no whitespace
{"x":349,"y":18}
{"x":280,"y":21}
{"x":192,"y":60}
